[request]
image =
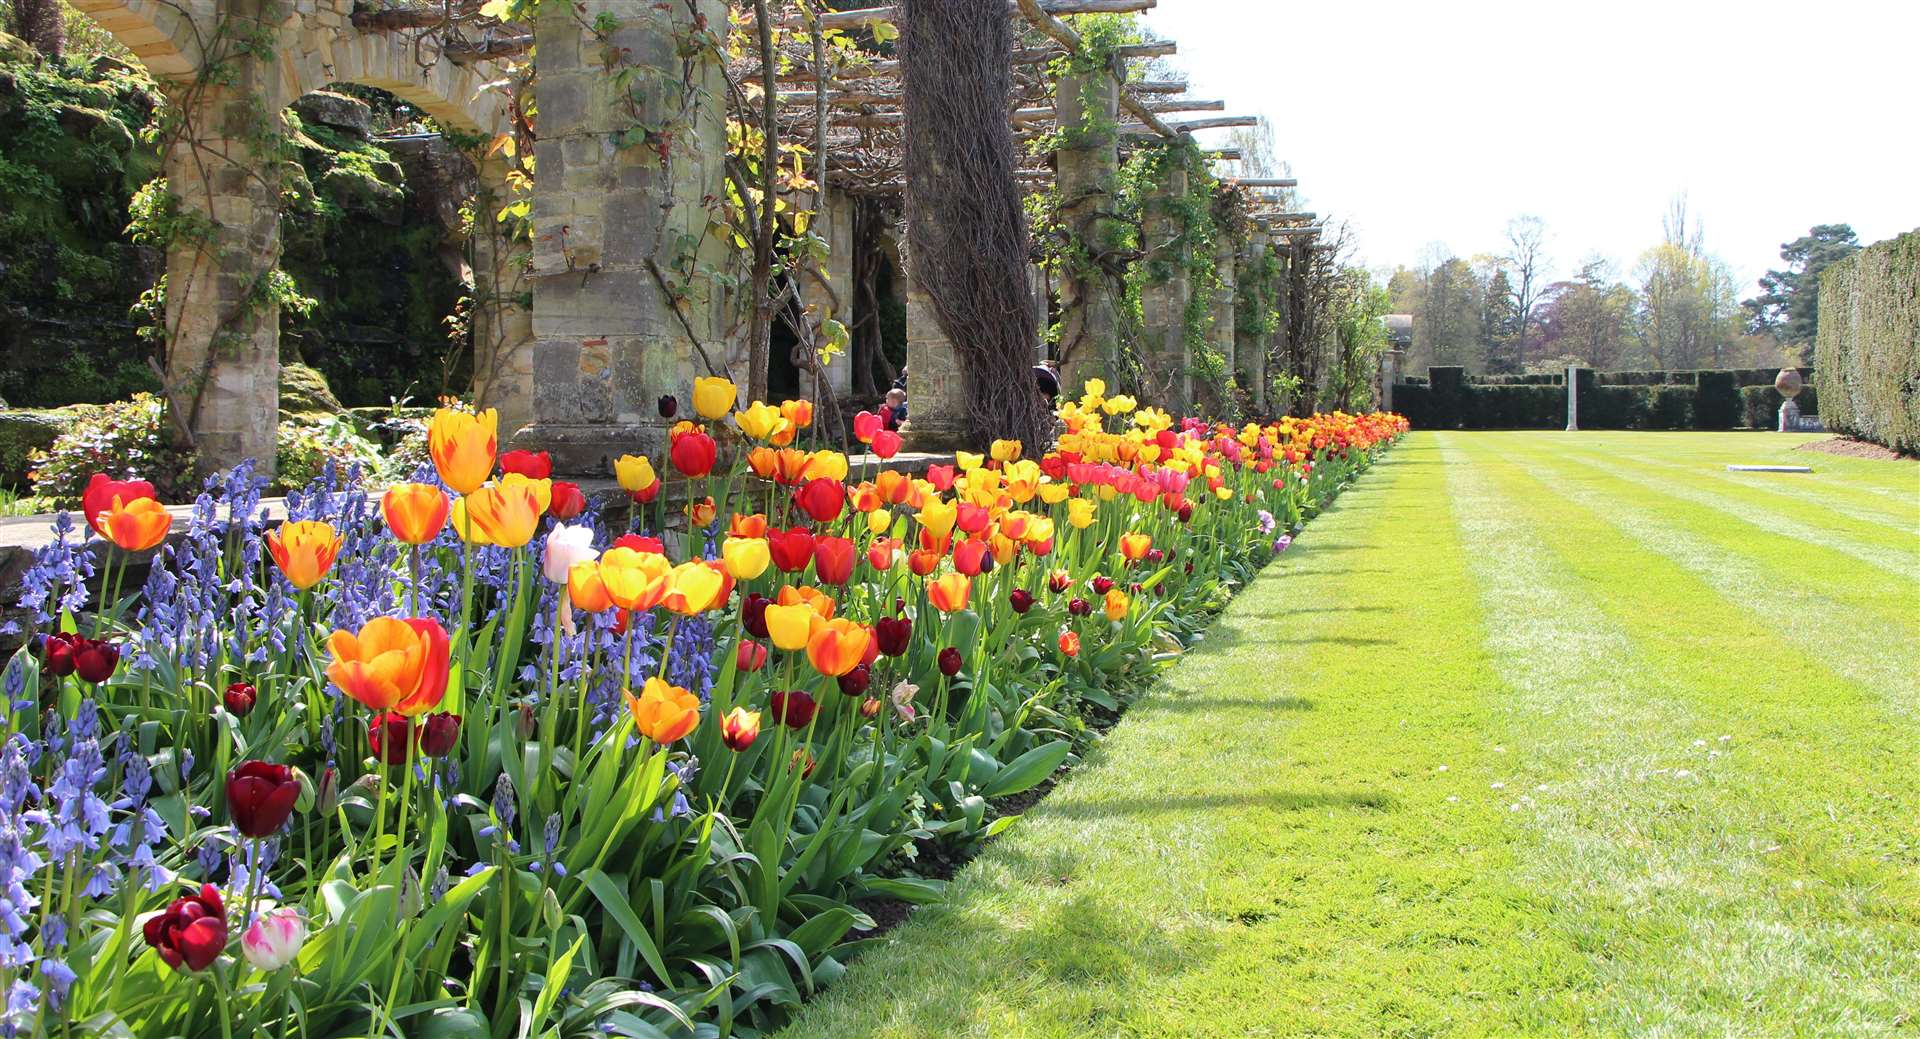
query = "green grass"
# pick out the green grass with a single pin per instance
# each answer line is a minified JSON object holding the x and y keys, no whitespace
{"x":1531,"y":734}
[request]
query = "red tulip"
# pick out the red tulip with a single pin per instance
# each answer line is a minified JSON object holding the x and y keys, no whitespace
{"x":792,"y":549}
{"x":390,"y":736}
{"x":640,"y":544}
{"x":239,"y":698}
{"x":968,"y":556}
{"x":56,"y":654}
{"x":1070,"y":643}
{"x":854,"y":682}
{"x":833,"y":559}
{"x":1020,"y":599}
{"x":751,"y":656}
{"x":1079,"y":607}
{"x":1102,"y":584}
{"x":192,"y":932}
{"x":567,"y":500}
{"x":865,"y":425}
{"x":438,"y":733}
{"x":1059,"y":581}
{"x":892,"y":634}
{"x":942,"y":477}
{"x":793,"y":709}
{"x":693,"y":453}
{"x":886,"y":444}
{"x":950,"y":661}
{"x":534,"y":465}
{"x":972,"y":518}
{"x":66,"y":653}
{"x":822,"y":498}
{"x":260,"y":797}
{"x":97,"y":500}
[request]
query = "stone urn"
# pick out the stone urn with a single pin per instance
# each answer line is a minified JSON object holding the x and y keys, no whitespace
{"x":1789,"y":383}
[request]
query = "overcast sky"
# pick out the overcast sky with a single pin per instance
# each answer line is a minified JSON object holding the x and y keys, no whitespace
{"x":1437,"y":121}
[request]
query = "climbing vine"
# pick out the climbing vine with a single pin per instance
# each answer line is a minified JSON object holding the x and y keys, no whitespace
{"x":1193,"y":217}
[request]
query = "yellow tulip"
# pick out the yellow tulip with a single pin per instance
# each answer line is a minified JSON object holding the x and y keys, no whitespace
{"x":761,"y":420}
{"x":501,"y":514}
{"x":1004,"y":450}
{"x":968,"y":461}
{"x":664,"y":713}
{"x":830,"y":465}
{"x":462,"y":445}
{"x":746,"y":558}
{"x":713,"y":396}
{"x":878,"y":521}
{"x":1054,"y":493}
{"x":938,"y":517}
{"x":304,"y":550}
{"x":1080,"y":513}
{"x":694,"y":587}
{"x":790,"y":626}
{"x":635,"y":473}
{"x":1116,"y":604}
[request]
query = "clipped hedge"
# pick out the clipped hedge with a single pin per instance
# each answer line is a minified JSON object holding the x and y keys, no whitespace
{"x":1707,"y":399}
{"x":1716,"y":400}
{"x":1868,"y":344}
{"x":1760,"y":405}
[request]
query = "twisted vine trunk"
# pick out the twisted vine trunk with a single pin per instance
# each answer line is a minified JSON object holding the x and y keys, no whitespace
{"x":966,"y":229}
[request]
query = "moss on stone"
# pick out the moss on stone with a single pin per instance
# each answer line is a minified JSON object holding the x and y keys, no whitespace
{"x":24,"y":430}
{"x":304,"y":391}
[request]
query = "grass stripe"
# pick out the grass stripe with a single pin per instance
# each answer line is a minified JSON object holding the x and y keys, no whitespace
{"x":1863,"y":488}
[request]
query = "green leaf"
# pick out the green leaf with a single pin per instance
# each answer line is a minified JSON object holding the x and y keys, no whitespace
{"x":615,"y":902}
{"x":1028,"y":770}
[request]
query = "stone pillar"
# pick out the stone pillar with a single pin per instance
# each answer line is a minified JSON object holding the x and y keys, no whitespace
{"x":1573,"y":398}
{"x":833,"y":222}
{"x":1249,"y":346}
{"x":1087,"y":108}
{"x":223,"y":328}
{"x":1389,"y":374}
{"x":502,"y":318}
{"x":1042,"y":311}
{"x":1218,"y":397}
{"x":1163,"y":299}
{"x":608,"y":211}
{"x":936,"y":387}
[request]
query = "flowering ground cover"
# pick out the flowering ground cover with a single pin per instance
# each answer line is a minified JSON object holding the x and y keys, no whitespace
{"x":1530,"y":734}
{"x":467,"y":757}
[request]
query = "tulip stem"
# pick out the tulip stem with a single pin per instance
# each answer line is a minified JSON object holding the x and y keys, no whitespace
{"x":379,"y":812}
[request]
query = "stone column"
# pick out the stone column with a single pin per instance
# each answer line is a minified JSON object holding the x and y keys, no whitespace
{"x":936,"y":387}
{"x":833,"y":222}
{"x":1389,"y":374}
{"x":1573,"y":398}
{"x":1042,"y":311}
{"x":1087,"y":109}
{"x":1218,"y":397}
{"x":1163,"y":299}
{"x":1250,"y":347}
{"x":612,"y":217}
{"x":223,"y":327}
{"x":503,"y":343}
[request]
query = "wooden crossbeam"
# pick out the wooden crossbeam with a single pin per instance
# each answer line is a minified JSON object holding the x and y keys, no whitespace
{"x":1174,"y":129}
{"x":1185,"y":106}
{"x":860,"y":18}
{"x":1157,"y":86}
{"x":1063,"y":33}
{"x":1264,"y":182}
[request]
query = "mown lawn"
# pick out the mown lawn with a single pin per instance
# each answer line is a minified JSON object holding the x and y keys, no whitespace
{"x":1532,"y":734}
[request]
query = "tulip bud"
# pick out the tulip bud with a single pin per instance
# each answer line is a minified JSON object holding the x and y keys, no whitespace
{"x":523,"y":724}
{"x":1059,"y":581}
{"x":274,"y":939}
{"x":669,"y":405}
{"x":1079,"y":607}
{"x":751,"y":656}
{"x":56,"y":652}
{"x":261,"y":797}
{"x":793,"y":709}
{"x":239,"y":698}
{"x":950,"y":661}
{"x":438,"y":734}
{"x":1189,"y":566}
{"x":753,"y":614}
{"x":1102,"y":585}
{"x":326,"y":792}
{"x":1154,"y":555}
{"x":854,"y":682}
{"x":892,"y":634}
{"x":899,"y":605}
{"x":1020,"y":599}
{"x":869,"y":708}
{"x":390,"y":737}
{"x":1186,"y":511}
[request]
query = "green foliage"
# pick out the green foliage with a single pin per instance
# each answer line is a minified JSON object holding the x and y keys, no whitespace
{"x":131,"y":438}
{"x":1760,"y":405}
{"x":1869,"y":344}
{"x":1716,"y":403}
{"x":306,"y":443}
{"x":1788,"y":305}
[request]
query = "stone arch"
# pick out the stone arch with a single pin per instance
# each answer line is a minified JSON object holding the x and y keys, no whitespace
{"x":165,"y":35}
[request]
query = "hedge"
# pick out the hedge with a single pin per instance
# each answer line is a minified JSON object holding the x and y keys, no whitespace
{"x":1760,"y":405}
{"x":1450,"y":399}
{"x":1868,"y":344}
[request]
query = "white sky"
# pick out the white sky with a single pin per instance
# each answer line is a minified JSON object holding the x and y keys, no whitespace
{"x":1437,"y":121}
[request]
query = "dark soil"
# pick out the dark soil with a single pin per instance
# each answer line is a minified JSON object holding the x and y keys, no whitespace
{"x":1853,"y":447}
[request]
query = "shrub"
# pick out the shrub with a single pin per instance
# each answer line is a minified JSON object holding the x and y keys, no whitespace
{"x":1760,"y":405}
{"x":1868,"y":345}
{"x":1716,"y":401}
{"x":306,"y":443}
{"x":132,"y":438}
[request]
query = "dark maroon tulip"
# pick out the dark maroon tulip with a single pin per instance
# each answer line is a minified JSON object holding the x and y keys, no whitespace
{"x":1020,"y":599}
{"x":326,"y":793}
{"x":94,"y":660}
{"x":793,"y":709}
{"x":56,"y":654}
{"x":854,"y":682}
{"x":1079,"y":607}
{"x":892,"y":634}
{"x":240,"y":698}
{"x":950,"y":661}
{"x":1058,"y":581}
{"x":1186,"y":511}
{"x":753,"y":614}
{"x":438,"y":734}
{"x":1154,"y":555}
{"x":1189,"y":566}
{"x":1134,"y":588}
{"x":899,"y":605}
{"x":669,"y":405}
{"x":192,"y":932}
{"x":1102,"y":585}
{"x":390,"y":736}
{"x":260,"y":797}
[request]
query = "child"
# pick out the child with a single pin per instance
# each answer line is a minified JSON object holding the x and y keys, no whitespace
{"x":895,"y":411}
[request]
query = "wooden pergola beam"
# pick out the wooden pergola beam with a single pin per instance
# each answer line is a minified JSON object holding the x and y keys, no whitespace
{"x":1157,"y":86}
{"x":1264,"y":182}
{"x":1157,"y":128}
{"x":860,"y":18}
{"x":1063,"y":33}
{"x":489,"y":49}
{"x":1185,"y":106}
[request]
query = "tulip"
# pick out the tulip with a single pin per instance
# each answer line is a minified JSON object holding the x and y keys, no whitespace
{"x":1004,"y":450}
{"x":793,"y":709}
{"x":879,"y":522}
{"x":792,"y":549}
{"x":1020,"y":599}
{"x":747,"y":525}
{"x":1080,"y":513}
{"x":949,"y":592}
{"x":886,"y":444}
{"x":100,"y":495}
{"x":694,"y":588}
{"x":870,"y":708}
{"x":240,"y":698}
{"x":837,"y":646}
{"x":438,"y":734}
{"x":415,"y":512}
{"x":753,"y":614}
{"x":1101,"y":584}
{"x":969,"y":557}
{"x":392,"y":664}
{"x":137,"y":525}
{"x":1116,"y":605}
{"x":585,"y":590}
{"x":700,"y":513}
{"x":462,"y":445}
{"x":713,"y":396}
{"x":760,"y":420}
{"x":971,"y":518}
{"x":902,"y":699}
{"x":950,"y":661}
{"x":1079,"y":607}
{"x":94,"y":660}
{"x":668,"y":405}
{"x":942,"y":477}
{"x":326,"y":792}
{"x":968,"y":461}
{"x":750,"y":656}
{"x":304,"y":550}
{"x":641,"y":543}
{"x":923,"y":562}
{"x":1070,"y":643}
{"x":274,"y":938}
{"x":390,"y":736}
{"x":854,"y":682}
{"x":892,"y":634}
{"x":635,"y":474}
{"x":791,"y":626}
{"x":798,"y":412}
{"x":1059,"y":581}
{"x":260,"y":797}
{"x":881,"y":553}
{"x":664,"y":713}
{"x":693,"y":453}
{"x":740,"y":728}
{"x":938,"y":517}
{"x":1134,"y":546}
{"x":191,"y":932}
{"x":746,"y":558}
{"x":865,"y":425}
{"x":566,"y":546}
{"x":506,"y":514}
{"x":568,"y":501}
{"x":822,"y":499}
{"x":635,"y":580}
{"x":833,"y":559}
{"x":536,"y":465}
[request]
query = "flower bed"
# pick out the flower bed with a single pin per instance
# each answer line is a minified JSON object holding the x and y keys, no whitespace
{"x":466,"y":758}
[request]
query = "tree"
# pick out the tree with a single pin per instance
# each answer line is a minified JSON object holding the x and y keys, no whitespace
{"x":1585,"y":320}
{"x":1446,"y":327}
{"x":1527,"y":259}
{"x":1500,"y":322}
{"x":1788,"y":305}
{"x":42,"y":23}
{"x":1687,"y":315}
{"x":1356,"y":306}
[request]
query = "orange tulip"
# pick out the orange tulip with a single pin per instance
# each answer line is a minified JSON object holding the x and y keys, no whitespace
{"x":136,"y":525}
{"x":798,"y":412}
{"x":837,"y":646}
{"x":506,"y":514}
{"x":395,"y":664}
{"x":924,"y":561}
{"x":700,"y":513}
{"x":635,"y":580}
{"x":693,"y":588}
{"x":664,"y":713}
{"x":415,"y":512}
{"x":1134,"y":546}
{"x":752,"y":525}
{"x":462,"y":445}
{"x":586,"y":590}
{"x":1116,"y":605}
{"x":305,"y":550}
{"x":819,"y":601}
{"x":949,"y":593}
{"x":764,"y":462}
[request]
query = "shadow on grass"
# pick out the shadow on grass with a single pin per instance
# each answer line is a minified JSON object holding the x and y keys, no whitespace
{"x":1271,"y":800}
